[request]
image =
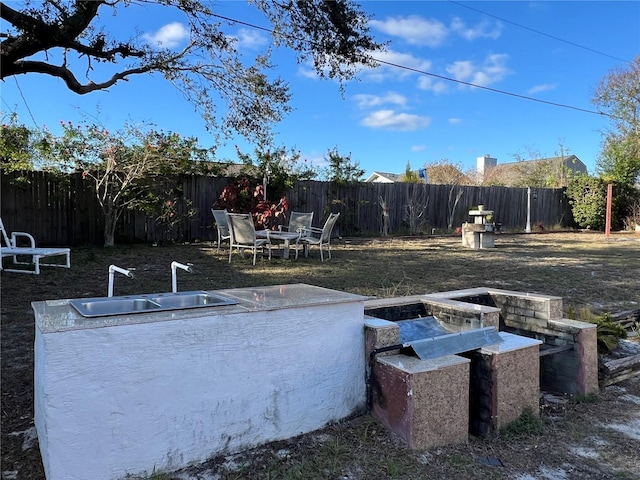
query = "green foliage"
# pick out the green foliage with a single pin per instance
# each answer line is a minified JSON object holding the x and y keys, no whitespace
{"x":233,"y":93}
{"x":169,"y":208}
{"x":526,"y":425}
{"x":130,"y":168}
{"x":341,"y":169}
{"x":609,"y":332}
{"x":409,"y":175}
{"x":588,"y":198}
{"x":618,"y":95}
{"x":282,"y":168}
{"x":15,"y":146}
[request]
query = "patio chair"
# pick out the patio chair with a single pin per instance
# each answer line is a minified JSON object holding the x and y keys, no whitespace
{"x":321,"y":236}
{"x":299,"y":222}
{"x":243,"y":235}
{"x":220,"y":216}
{"x":9,"y":248}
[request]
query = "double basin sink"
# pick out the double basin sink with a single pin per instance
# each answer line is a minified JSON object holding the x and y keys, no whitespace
{"x":147,"y":303}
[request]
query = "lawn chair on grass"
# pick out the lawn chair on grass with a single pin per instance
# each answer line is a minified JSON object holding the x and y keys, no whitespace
{"x":321,"y":236}
{"x":9,"y":248}
{"x":243,"y":235}
{"x":220,"y":217}
{"x":299,"y":222}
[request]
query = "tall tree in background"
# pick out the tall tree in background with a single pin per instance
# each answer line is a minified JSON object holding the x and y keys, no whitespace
{"x":341,"y":169}
{"x":618,"y":95}
{"x":410,"y":176}
{"x":131,"y":168}
{"x":68,"y":40}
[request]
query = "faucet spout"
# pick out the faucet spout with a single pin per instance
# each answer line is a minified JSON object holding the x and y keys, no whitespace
{"x":112,"y":270}
{"x":174,"y":273}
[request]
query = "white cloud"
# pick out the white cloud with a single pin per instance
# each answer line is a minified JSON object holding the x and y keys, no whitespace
{"x":366,"y":101}
{"x":436,"y":86}
{"x":388,"y":119}
{"x":168,"y":36}
{"x":455,"y":121}
{"x":384,"y":72}
{"x":414,"y":29}
{"x":542,"y":88}
{"x":418,"y":148}
{"x":482,"y":30}
{"x":417,"y":30}
{"x":250,"y":39}
{"x":493,"y":70}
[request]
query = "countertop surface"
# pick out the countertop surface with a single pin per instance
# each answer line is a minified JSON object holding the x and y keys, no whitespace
{"x":59,"y":315}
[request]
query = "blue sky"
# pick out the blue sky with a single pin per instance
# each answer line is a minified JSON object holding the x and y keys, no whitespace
{"x":392,"y":116}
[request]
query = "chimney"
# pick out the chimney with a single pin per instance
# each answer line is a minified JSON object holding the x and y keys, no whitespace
{"x":483,"y":164}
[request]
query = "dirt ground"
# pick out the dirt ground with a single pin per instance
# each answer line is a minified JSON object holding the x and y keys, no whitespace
{"x":595,"y":437}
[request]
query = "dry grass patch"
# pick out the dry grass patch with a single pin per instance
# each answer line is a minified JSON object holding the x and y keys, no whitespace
{"x":586,"y":269}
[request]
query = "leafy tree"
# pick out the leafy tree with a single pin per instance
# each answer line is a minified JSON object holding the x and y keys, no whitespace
{"x":618,"y":95}
{"x":341,"y":169}
{"x":283,"y":168}
{"x":46,"y":36}
{"x":128,"y":169}
{"x":409,"y":175}
{"x":16,"y":145}
{"x":246,"y":193}
{"x":588,"y":199}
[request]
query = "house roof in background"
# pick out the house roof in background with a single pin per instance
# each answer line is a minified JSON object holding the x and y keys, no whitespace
{"x":382,"y":177}
{"x":568,"y":160}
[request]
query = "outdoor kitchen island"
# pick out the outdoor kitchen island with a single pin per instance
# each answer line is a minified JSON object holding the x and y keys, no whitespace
{"x":155,"y":391}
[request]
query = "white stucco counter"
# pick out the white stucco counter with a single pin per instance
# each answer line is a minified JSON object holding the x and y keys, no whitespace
{"x":128,"y":394}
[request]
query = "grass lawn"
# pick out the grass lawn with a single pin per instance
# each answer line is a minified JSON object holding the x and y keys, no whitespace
{"x":588,"y":270}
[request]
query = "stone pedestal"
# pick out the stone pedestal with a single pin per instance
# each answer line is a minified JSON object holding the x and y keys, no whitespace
{"x":425,"y":402}
{"x":476,"y":236}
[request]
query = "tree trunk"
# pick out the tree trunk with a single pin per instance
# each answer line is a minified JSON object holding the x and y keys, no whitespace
{"x":110,"y":221}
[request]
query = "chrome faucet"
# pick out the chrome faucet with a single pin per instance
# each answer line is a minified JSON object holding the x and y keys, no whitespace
{"x":174,"y":271}
{"x":112,"y":270}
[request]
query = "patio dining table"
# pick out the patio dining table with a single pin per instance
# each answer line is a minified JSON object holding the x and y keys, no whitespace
{"x":286,"y":237}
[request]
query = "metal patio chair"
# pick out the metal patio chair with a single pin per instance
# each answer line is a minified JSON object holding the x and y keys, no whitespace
{"x":243,"y":235}
{"x":320,"y":236}
{"x":299,"y":222}
{"x":220,"y":216}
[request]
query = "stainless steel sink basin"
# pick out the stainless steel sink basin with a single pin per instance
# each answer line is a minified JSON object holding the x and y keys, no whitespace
{"x":191,"y":300}
{"x":156,"y":302}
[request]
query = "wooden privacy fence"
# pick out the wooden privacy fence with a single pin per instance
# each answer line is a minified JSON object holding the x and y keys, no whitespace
{"x":64,"y":211}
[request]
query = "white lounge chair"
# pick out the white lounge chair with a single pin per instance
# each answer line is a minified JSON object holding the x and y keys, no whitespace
{"x":9,"y":248}
{"x":220,"y":217}
{"x":243,"y":235}
{"x":321,"y":236}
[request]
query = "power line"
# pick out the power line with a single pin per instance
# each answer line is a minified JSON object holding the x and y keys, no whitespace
{"x":495,"y":90}
{"x":449,"y":79}
{"x":539,"y":32}
{"x":25,"y":102}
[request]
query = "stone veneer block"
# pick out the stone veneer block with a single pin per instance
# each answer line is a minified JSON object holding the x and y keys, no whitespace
{"x":515,"y":378}
{"x":575,"y":371}
{"x":380,"y":333}
{"x":587,"y":348}
{"x":425,"y":402}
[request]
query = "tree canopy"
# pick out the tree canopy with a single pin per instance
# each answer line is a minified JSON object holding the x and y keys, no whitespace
{"x":68,"y":39}
{"x":618,"y":95}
